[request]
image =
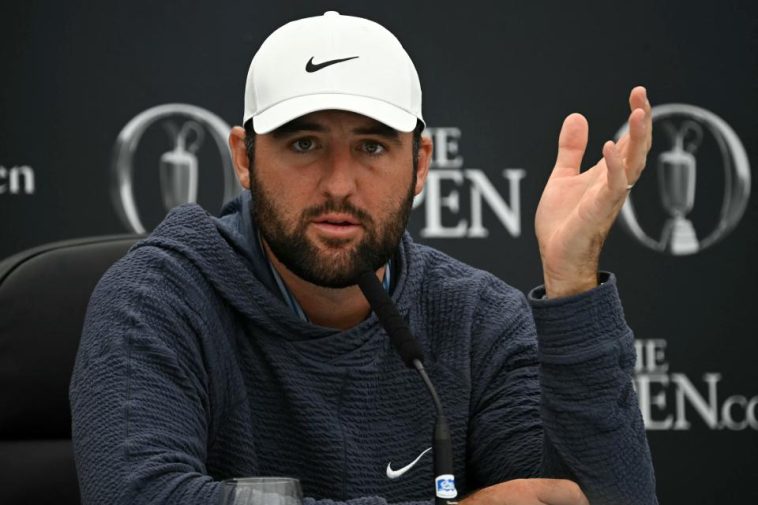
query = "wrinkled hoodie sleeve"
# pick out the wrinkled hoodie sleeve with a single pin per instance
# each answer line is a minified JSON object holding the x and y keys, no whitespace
{"x":590,"y":410}
{"x":560,"y":403}
{"x":139,"y":406}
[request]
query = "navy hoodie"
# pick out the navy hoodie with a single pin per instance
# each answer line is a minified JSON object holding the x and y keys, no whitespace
{"x":192,"y":370}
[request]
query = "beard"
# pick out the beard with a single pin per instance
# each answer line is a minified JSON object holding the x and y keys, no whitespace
{"x":341,"y":265}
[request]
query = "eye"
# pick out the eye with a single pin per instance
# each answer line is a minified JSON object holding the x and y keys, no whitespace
{"x":373,"y":148}
{"x":304,"y":145}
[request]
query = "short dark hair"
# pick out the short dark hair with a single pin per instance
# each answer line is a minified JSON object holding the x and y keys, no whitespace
{"x":250,"y":142}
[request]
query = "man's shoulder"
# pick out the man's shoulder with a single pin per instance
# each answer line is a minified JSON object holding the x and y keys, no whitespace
{"x":175,"y":253}
{"x":175,"y":236}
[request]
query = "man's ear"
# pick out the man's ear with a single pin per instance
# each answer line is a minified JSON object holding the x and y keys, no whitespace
{"x":424,"y":161}
{"x":239,"y":156}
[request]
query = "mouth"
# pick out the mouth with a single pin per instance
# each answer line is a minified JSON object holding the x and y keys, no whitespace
{"x":337,"y":225}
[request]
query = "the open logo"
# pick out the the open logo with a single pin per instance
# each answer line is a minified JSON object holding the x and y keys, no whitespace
{"x":678,"y":164}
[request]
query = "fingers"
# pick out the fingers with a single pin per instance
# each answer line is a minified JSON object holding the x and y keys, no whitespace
{"x":529,"y":492}
{"x":640,"y":133}
{"x":572,"y":142}
{"x":616,"y":174}
{"x":560,"y":492}
{"x":638,"y":99}
{"x":631,"y":149}
{"x":636,"y":150}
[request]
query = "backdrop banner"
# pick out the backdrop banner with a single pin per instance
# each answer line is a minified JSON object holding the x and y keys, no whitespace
{"x":111,"y":113}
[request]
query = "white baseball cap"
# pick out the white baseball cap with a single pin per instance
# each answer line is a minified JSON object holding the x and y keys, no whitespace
{"x":332,"y":62}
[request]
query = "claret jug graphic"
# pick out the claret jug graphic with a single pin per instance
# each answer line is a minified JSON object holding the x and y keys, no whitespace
{"x":680,"y":162}
{"x":676,"y":176}
{"x":178,"y":168}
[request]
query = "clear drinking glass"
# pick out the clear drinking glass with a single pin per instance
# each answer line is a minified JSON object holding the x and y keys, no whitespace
{"x":262,"y":491}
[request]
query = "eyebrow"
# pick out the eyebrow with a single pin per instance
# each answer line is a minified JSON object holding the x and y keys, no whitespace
{"x":379,"y":129}
{"x":297,"y":125}
{"x":301,"y":125}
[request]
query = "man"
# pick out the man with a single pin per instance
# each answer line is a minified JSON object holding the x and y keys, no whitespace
{"x":240,"y":345}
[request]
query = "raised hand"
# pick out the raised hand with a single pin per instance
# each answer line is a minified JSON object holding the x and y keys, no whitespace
{"x":577,"y":208}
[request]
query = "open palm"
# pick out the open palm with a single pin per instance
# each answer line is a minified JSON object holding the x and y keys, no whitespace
{"x":578,"y":208}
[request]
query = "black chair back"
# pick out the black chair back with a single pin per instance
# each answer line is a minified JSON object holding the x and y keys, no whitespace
{"x":43,"y":298}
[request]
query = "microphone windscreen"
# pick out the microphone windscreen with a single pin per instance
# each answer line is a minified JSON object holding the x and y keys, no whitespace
{"x":395,"y":326}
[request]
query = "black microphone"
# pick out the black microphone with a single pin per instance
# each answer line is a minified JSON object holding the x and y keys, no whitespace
{"x":400,"y":335}
{"x":410,"y":352}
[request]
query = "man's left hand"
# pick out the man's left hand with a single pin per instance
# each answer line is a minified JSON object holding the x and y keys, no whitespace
{"x":577,"y":208}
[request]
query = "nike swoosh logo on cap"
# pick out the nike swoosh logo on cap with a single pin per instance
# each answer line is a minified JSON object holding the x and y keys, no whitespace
{"x":394,"y":474}
{"x":314,"y":67}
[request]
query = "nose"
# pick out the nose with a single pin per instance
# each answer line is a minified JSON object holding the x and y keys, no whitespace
{"x":339,"y":175}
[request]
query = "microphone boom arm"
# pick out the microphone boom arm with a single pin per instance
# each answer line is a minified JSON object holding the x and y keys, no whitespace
{"x":410,"y":352}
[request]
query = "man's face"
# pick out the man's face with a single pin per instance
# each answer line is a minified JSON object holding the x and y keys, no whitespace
{"x":332,"y":194}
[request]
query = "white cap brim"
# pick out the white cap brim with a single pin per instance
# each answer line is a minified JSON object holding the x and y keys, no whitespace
{"x":287,"y":110}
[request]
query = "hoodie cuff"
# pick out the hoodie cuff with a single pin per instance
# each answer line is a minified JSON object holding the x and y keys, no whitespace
{"x":580,"y":327}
